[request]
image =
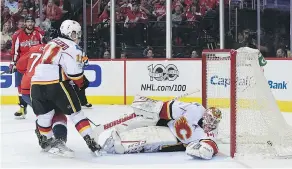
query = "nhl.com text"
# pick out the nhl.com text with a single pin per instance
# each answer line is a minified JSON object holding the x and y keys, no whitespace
{"x":153,"y":87}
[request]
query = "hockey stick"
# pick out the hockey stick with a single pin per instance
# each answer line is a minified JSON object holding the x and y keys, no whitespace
{"x":101,"y":128}
{"x":2,"y":73}
{"x":92,"y":122}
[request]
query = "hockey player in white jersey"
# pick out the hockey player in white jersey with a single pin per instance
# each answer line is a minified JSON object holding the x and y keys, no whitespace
{"x":60,"y":64}
{"x":180,"y":126}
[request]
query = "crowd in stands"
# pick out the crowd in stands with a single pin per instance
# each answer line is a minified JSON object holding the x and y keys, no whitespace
{"x":13,"y":13}
{"x":141,"y":26}
{"x":141,"y":23}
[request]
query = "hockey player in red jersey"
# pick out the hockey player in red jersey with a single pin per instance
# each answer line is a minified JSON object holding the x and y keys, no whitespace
{"x":26,"y":65}
{"x":22,"y":41}
{"x":166,"y":127}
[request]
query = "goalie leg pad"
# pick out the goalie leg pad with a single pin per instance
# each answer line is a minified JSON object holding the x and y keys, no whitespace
{"x":144,"y":139}
{"x":203,"y":149}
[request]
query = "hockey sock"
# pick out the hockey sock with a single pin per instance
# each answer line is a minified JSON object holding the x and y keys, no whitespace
{"x":44,"y":124}
{"x":59,"y":122}
{"x":81,"y":123}
{"x":60,"y":132}
{"x":22,"y":102}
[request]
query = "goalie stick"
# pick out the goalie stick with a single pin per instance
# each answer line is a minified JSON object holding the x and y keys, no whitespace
{"x":101,"y":128}
{"x":186,"y":94}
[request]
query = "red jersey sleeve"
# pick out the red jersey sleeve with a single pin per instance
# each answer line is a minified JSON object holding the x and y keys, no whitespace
{"x":21,"y":64}
{"x":15,"y":46}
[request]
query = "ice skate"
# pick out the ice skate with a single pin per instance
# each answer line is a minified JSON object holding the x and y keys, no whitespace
{"x":87,"y":105}
{"x":21,"y":113}
{"x":92,"y":145}
{"x":59,"y":148}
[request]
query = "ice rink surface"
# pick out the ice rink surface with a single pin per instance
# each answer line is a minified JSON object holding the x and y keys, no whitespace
{"x":19,"y":148}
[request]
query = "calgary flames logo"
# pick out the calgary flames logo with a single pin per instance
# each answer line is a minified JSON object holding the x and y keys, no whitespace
{"x":182,"y":129}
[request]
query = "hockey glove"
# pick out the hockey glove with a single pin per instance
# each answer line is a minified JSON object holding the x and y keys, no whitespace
{"x":85,"y":61}
{"x":85,"y":83}
{"x":12,"y":68}
{"x":82,"y":83}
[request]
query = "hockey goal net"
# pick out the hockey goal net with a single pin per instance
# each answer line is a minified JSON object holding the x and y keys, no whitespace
{"x":252,"y":123}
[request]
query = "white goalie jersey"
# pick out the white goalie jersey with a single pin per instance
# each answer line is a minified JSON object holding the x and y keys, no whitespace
{"x":182,"y":131}
{"x":184,"y":122}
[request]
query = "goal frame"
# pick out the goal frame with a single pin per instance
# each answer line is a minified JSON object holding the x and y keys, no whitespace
{"x":233,"y":99}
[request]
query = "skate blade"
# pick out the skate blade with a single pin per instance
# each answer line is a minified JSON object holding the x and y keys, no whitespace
{"x":84,"y":107}
{"x":19,"y":117}
{"x":97,"y":153}
{"x":67,"y":154}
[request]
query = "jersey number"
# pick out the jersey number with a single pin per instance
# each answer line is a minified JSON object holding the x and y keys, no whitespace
{"x":182,"y":128}
{"x":36,"y":57}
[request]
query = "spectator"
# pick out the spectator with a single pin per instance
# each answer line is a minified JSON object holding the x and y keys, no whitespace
{"x":194,"y":54}
{"x":12,"y":5}
{"x":6,"y":16}
{"x":53,"y":12}
{"x":148,"y":52}
{"x":37,"y":9}
{"x":176,"y":3}
{"x":2,"y":4}
{"x":134,"y":16}
{"x":176,"y":20}
{"x":125,"y":6}
{"x":145,"y":6}
{"x":192,"y":14}
{"x":106,"y":55}
{"x":61,"y":4}
{"x":177,"y":16}
{"x":24,"y":12}
{"x":44,"y":23}
{"x":104,"y":17}
{"x":160,"y":10}
{"x":123,"y":55}
{"x":5,"y":54}
{"x":120,"y":17}
{"x":5,"y":33}
{"x":27,"y":4}
{"x":240,"y":41}
{"x":281,"y":53}
{"x":134,"y":26}
{"x":20,"y":23}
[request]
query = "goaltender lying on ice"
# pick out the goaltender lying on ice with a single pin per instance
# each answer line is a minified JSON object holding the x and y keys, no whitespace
{"x":157,"y":126}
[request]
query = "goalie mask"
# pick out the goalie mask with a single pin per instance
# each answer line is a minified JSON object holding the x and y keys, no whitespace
{"x":211,"y":119}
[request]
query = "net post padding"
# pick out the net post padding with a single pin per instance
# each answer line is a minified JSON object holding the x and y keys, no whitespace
{"x":204,"y":79}
{"x":233,"y":101}
{"x":251,"y":121}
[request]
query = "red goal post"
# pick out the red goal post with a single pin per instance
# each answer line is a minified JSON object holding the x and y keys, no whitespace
{"x":252,"y":123}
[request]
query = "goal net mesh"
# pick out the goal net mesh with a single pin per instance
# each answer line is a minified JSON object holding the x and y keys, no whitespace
{"x":260,"y":128}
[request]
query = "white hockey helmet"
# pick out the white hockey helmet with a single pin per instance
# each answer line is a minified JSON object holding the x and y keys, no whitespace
{"x":68,"y":27}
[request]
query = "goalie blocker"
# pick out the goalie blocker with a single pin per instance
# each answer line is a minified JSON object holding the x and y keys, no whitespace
{"x":166,"y":127}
